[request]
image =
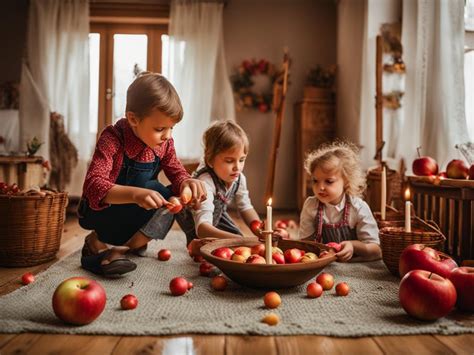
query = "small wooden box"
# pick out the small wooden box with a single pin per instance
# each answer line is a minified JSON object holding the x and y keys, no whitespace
{"x":21,"y":170}
{"x":450,"y":203}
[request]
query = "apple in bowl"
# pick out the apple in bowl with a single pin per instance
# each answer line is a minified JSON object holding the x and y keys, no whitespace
{"x":419,"y":256}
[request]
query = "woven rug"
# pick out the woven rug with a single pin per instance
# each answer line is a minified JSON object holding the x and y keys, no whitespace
{"x":372,"y":307}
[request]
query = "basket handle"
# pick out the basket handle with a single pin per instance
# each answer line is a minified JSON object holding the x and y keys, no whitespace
{"x":431,"y":224}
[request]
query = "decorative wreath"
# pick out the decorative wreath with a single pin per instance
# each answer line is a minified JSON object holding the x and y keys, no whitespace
{"x":243,"y":85}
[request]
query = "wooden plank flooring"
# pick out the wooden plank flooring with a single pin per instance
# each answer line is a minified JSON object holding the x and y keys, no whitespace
{"x":31,"y":343}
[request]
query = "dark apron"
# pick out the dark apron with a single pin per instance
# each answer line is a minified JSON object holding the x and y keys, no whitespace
{"x":116,"y":224}
{"x":334,"y":232}
{"x":220,"y":218}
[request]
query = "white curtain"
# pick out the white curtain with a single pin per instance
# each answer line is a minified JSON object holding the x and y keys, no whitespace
{"x":196,"y":67}
{"x":433,"y":42}
{"x":55,"y":76}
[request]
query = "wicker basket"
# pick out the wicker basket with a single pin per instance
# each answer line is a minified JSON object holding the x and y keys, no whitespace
{"x":394,"y":239}
{"x":31,"y":228}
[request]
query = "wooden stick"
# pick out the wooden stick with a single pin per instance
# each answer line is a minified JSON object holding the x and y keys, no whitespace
{"x":378,"y":99}
{"x":279,"y":110}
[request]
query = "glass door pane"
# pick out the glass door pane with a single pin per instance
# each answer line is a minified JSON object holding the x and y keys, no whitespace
{"x":94,"y":60}
{"x":129,"y":59}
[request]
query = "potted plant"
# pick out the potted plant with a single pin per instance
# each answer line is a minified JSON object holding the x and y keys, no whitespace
{"x":320,"y":83}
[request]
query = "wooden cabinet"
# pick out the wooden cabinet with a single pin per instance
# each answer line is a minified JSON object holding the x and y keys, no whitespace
{"x":315,"y":123}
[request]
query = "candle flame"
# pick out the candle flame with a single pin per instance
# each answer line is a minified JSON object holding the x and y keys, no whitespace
{"x":269,"y":202}
{"x":407,"y":194}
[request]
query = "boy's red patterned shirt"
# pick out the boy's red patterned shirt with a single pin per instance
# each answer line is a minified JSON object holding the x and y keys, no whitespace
{"x":115,"y":141}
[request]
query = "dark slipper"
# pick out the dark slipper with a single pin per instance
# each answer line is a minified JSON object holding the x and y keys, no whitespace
{"x":117,"y":267}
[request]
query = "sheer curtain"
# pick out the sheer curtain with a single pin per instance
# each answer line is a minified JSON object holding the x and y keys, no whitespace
{"x":433,"y":42}
{"x":55,"y":76}
{"x":196,"y":66}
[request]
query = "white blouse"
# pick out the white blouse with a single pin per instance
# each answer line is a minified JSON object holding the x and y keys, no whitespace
{"x":360,"y":217}
{"x":205,"y":213}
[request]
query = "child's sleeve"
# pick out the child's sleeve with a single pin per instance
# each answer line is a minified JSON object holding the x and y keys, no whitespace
{"x":98,"y":179}
{"x":308,"y":213}
{"x":242,"y":197}
{"x":205,"y":212}
{"x":366,"y":227}
{"x":172,"y":167}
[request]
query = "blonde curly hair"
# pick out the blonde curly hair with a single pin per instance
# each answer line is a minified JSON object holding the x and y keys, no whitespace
{"x":340,"y":156}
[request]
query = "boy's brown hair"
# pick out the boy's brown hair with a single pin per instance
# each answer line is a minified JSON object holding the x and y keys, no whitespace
{"x":152,"y":91}
{"x":343,"y":157}
{"x":222,"y":136}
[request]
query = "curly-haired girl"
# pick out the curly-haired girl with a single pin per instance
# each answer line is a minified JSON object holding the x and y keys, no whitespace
{"x":336,"y":212}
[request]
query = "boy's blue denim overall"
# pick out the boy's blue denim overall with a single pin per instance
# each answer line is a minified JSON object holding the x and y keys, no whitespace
{"x":116,"y":224}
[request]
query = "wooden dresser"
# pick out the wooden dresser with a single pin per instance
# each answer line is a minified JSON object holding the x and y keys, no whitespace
{"x":315,"y":123}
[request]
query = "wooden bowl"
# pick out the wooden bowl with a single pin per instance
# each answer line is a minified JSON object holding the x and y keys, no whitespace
{"x":269,"y":275}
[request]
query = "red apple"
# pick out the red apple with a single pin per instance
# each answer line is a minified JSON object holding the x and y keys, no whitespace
{"x":174,"y":205}
{"x":271,"y":319}
{"x":164,"y":255}
{"x":278,"y":258}
{"x":206,"y":268}
{"x":256,"y":227}
{"x":418,"y":256}
{"x":178,"y":286}
{"x":79,"y":300}
{"x":293,"y":255}
{"x":27,"y":278}
{"x":186,"y":195}
{"x":281,"y":224}
{"x":256,"y":259}
{"x":463,"y":280}
{"x":129,"y":302}
{"x":426,"y":295}
{"x":342,"y":289}
{"x":272,"y":299}
{"x":325,"y":280}
{"x":223,"y":252}
{"x":219,"y":283}
{"x":258,"y":249}
{"x":244,"y":251}
{"x":471,"y":172}
{"x":456,"y":169}
{"x":424,"y":166}
{"x":314,"y":290}
{"x":336,"y":246}
{"x":323,"y":254}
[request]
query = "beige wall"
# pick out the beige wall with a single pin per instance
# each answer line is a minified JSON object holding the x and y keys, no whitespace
{"x":261,"y":29}
{"x":13,"y":15}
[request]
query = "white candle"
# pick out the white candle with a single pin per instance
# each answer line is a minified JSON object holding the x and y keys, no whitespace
{"x":407,"y":211}
{"x":383,"y":198}
{"x":268,"y":224}
{"x":268,"y":235}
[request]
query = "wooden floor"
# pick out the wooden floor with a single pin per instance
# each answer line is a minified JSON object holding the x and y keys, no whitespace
{"x":31,"y":343}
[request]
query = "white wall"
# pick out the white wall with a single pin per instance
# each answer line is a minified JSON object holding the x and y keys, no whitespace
{"x":261,"y":29}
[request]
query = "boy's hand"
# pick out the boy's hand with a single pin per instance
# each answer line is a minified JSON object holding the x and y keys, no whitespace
{"x":281,"y":233}
{"x":196,"y":244}
{"x":196,"y":189}
{"x":346,"y":252}
{"x":148,"y":199}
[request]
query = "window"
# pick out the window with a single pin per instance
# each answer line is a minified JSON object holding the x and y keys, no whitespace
{"x":469,"y":66}
{"x":118,"y":52}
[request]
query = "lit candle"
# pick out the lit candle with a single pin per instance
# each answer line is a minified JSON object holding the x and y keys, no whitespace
{"x":383,"y":198}
{"x":407,"y":211}
{"x":268,"y":225}
{"x":268,"y":235}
